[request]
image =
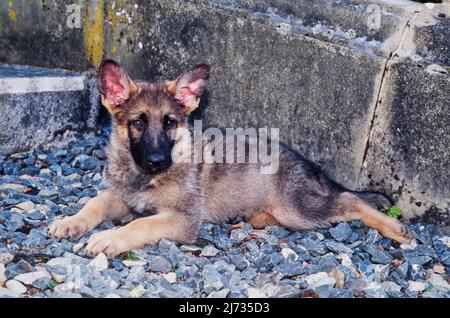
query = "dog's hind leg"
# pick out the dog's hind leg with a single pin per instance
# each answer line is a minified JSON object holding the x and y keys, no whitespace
{"x":98,"y":209}
{"x":351,"y":207}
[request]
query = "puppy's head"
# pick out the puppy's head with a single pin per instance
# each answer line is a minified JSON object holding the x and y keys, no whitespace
{"x":145,"y":114}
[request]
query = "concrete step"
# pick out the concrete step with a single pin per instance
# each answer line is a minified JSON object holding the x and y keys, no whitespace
{"x":37,"y":104}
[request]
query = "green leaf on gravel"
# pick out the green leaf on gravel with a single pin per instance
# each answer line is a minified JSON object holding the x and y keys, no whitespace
{"x":45,"y":259}
{"x":394,"y":211}
{"x":52,"y":284}
{"x":129,"y":256}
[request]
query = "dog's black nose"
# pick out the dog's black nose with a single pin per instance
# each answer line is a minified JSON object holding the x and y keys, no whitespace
{"x":156,"y":159}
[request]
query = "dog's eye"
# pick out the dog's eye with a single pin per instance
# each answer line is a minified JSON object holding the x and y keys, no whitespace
{"x":169,"y":123}
{"x":138,"y":124}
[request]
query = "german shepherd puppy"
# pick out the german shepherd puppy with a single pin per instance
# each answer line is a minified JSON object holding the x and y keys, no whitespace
{"x":175,"y":198}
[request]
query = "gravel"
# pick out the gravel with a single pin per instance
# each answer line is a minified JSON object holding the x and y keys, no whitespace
{"x":228,"y":260}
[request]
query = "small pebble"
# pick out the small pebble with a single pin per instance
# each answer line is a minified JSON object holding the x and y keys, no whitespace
{"x":6,"y":258}
{"x":2,"y":274}
{"x":26,"y":206}
{"x":66,"y":287}
{"x":6,"y":293}
{"x":170,"y":277}
{"x":138,"y":291}
{"x":16,"y":287}
{"x":223,"y":293}
{"x":209,"y":251}
{"x":410,"y":246}
{"x":99,"y":263}
{"x":159,"y":264}
{"x":30,"y":278}
{"x":341,"y":232}
{"x":339,"y":277}
{"x":321,"y":283}
{"x":190,"y":248}
{"x":287,"y":252}
{"x":438,"y":282}
{"x":77,"y":247}
{"x":416,"y":286}
{"x":437,"y":268}
{"x":129,"y":263}
{"x":255,"y":293}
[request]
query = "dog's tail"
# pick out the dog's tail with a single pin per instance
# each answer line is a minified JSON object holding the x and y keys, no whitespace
{"x":377,"y":200}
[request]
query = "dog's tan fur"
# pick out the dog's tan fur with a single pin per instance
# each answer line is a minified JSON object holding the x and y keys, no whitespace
{"x":355,"y":209}
{"x":180,"y":198}
{"x":104,"y":206}
{"x":262,"y":220}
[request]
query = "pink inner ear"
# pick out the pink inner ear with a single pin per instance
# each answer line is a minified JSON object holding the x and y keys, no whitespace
{"x":114,"y":85}
{"x":116,"y":94}
{"x":186,"y":95}
{"x":196,"y":87}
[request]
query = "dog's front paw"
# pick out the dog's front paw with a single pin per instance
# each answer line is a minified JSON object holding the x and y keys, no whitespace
{"x":108,"y":242}
{"x":72,"y":226}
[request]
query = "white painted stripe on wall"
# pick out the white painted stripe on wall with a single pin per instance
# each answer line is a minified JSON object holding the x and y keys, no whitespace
{"x":38,"y":84}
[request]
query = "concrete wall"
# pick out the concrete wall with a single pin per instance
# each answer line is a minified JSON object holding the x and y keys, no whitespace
{"x":40,"y":106}
{"x":361,"y":87}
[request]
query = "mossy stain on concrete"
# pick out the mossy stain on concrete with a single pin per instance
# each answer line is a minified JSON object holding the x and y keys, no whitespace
{"x":93,"y":31}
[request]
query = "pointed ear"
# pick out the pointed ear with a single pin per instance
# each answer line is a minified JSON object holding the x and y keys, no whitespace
{"x":188,"y":88}
{"x":116,"y":87}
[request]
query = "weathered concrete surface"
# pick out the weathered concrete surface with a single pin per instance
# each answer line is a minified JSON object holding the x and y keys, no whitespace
{"x":37,"y":105}
{"x":409,"y":152}
{"x":318,"y":70}
{"x":433,"y":43}
{"x":35,"y":33}
{"x":356,"y":17}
